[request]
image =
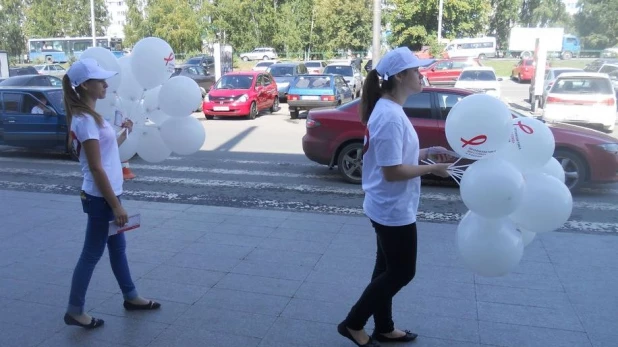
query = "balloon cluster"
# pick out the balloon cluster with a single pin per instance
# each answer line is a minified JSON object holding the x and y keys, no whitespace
{"x":159,"y":106}
{"x":514,"y":188}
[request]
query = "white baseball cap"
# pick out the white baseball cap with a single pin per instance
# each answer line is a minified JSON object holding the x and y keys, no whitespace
{"x":87,"y":69}
{"x":399,"y":59}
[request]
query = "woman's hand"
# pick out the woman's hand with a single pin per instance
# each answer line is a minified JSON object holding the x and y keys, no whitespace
{"x":120,"y":216}
{"x":128,"y":124}
{"x":440,"y":170}
{"x":439,"y":155}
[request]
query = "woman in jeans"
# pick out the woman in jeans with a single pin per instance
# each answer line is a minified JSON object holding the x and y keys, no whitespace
{"x":95,"y":143}
{"x":391,"y":181}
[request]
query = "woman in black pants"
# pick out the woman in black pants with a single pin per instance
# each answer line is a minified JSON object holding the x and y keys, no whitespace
{"x":391,"y":181}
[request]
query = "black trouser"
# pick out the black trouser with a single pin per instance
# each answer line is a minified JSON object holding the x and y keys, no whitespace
{"x":395,"y":267}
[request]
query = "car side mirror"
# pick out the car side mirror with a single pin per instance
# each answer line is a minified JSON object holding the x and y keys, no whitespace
{"x":433,"y":69}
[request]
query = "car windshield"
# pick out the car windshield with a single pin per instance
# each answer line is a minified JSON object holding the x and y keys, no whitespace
{"x":55,"y":97}
{"x":264,"y":63}
{"x":317,"y":82}
{"x":280,"y":71}
{"x":582,"y":85}
{"x":235,"y":82}
{"x":313,"y":64}
{"x":560,"y":72}
{"x":477,"y":75}
{"x":339,"y":70}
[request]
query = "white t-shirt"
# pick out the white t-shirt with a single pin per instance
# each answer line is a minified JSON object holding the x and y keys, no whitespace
{"x":85,"y":128}
{"x":37,"y":110}
{"x":390,"y":139}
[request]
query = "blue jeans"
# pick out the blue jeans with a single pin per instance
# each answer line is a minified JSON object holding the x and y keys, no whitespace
{"x":99,"y":215}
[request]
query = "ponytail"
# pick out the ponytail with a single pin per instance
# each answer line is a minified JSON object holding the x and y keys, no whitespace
{"x":372,"y":92}
{"x":74,"y":106}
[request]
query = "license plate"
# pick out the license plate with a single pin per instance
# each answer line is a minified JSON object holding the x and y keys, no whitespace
{"x":221,"y":108}
{"x":310,"y":97}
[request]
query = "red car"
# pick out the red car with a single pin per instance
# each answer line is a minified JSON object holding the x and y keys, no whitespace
{"x":446,"y":71}
{"x":524,"y":70}
{"x":334,"y":137}
{"x":241,"y":94}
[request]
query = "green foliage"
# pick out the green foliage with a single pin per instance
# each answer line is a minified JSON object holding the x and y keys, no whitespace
{"x":505,"y":15}
{"x":597,"y":24}
{"x":11,"y":34}
{"x":60,"y":18}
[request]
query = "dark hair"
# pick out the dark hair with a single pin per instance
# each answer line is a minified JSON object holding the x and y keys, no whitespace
{"x":74,"y":105}
{"x":372,"y":92}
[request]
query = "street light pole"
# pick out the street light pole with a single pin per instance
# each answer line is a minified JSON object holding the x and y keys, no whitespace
{"x":377,"y":32}
{"x":94,"y":39}
{"x":440,"y":20}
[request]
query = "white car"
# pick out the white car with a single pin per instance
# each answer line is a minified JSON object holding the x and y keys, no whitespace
{"x":479,"y":78}
{"x":264,"y":64}
{"x":582,"y":98}
{"x":350,"y":74}
{"x":550,"y":78}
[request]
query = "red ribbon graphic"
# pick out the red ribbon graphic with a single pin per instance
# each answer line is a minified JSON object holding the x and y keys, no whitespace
{"x":525,"y":128}
{"x":366,"y":144}
{"x":169,"y":58}
{"x":475,"y":141}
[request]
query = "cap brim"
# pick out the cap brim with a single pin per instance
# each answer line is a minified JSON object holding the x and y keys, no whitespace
{"x":103,"y":75}
{"x":420,"y":63}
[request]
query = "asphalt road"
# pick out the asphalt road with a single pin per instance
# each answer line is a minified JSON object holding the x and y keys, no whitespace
{"x":260,"y":164}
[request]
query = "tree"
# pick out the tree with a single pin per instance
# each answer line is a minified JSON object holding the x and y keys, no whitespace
{"x":176,"y":22}
{"x":71,"y":19}
{"x":343,"y":24}
{"x":544,"y":13}
{"x":505,"y":14}
{"x":11,"y":35}
{"x":415,"y":21}
{"x":596,"y":23}
{"x":294,"y":32}
{"x":134,"y":27}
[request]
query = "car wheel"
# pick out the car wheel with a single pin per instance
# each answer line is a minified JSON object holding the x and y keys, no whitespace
{"x":275,"y":107}
{"x":245,"y":59}
{"x":350,"y":162}
{"x":575,"y":168}
{"x":482,"y":56}
{"x":253,"y":111}
{"x":294,"y":114}
{"x":209,"y":117}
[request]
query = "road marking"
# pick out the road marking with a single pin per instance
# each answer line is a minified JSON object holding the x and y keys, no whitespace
{"x":355,"y":191}
{"x":425,"y":216}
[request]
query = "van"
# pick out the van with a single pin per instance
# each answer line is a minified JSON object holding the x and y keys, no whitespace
{"x":481,"y":47}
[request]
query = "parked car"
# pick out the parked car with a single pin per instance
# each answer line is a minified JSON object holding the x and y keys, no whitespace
{"x":315,"y":66}
{"x":550,"y":77}
{"x":32,"y":81}
{"x":241,"y":94}
{"x":595,"y":65}
{"x":582,"y":98}
{"x":51,"y":69}
{"x":264,"y":64}
{"x":260,"y":53}
{"x":480,"y":78}
{"x":334,"y":137}
{"x":446,"y":71}
{"x":207,"y":63}
{"x":20,"y":127}
{"x":21,"y":71}
{"x":351,"y":75}
{"x":284,"y":74}
{"x":311,"y":91}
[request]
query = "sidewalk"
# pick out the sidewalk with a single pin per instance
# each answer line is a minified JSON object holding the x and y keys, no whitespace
{"x":240,"y":278}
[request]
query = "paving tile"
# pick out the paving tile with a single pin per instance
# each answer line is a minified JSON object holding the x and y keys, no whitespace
{"x":311,"y":225}
{"x":282,"y":256}
{"x":265,"y":213}
{"x":523,"y":297}
{"x":181,"y":225}
{"x":46,"y":318}
{"x":254,"y":221}
{"x":454,"y":274}
{"x":169,"y":232}
{"x":22,"y":335}
{"x":127,"y":331}
{"x":257,"y":284}
{"x":240,"y":229}
{"x":294,"y":245}
{"x":70,"y":336}
{"x":448,"y":307}
{"x":316,"y":311}
{"x":214,"y":209}
{"x":342,"y":277}
{"x":558,"y":318}
{"x":548,"y":281}
{"x":226,"y":321}
{"x":37,"y":272}
{"x":158,"y":243}
{"x":238,"y":252}
{"x":511,"y":335}
{"x":56,"y":295}
{"x":273,"y":270}
{"x":153,"y":257}
{"x":302,"y":235}
{"x":605,"y":339}
{"x":161,"y":290}
{"x":16,"y":288}
{"x":441,"y":327}
{"x":440,"y":287}
{"x":227,"y":299}
{"x":183,"y":275}
{"x":203,"y":262}
{"x":328,"y":292}
{"x":213,"y":218}
{"x":199,"y":336}
{"x":217,"y":238}
{"x":169,"y":312}
{"x":295,"y":332}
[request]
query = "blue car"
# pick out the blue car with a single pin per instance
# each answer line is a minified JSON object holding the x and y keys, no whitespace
{"x":313,"y":91}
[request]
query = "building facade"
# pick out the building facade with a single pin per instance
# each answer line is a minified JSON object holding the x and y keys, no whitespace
{"x":117,"y":10}
{"x":571,"y":6}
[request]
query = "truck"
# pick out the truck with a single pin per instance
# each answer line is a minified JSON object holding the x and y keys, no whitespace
{"x":522,"y":42}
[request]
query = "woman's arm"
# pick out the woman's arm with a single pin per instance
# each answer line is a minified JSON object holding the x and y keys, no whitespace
{"x":405,"y":172}
{"x":93,"y":155}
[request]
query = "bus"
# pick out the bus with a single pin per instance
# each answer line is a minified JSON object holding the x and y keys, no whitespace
{"x":60,"y":50}
{"x":480,"y":47}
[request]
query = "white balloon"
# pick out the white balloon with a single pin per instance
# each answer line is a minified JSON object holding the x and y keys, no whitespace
{"x":492,"y":187}
{"x":157,"y":116}
{"x":184,"y":135}
{"x":527,"y":236}
{"x":552,"y":168}
{"x":151,"y":99}
{"x":151,"y":147}
{"x":153,"y":62}
{"x":128,"y":149}
{"x":129,"y":88}
{"x":108,"y":61}
{"x":489,"y":247}
{"x":546,"y":204}
{"x":478,"y":126}
{"x":531,"y":144}
{"x":179,"y":96}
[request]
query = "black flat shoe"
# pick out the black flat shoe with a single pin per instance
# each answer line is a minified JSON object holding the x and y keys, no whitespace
{"x":409,"y":336}
{"x":151,"y":305}
{"x":94,"y":323}
{"x":343,"y":330}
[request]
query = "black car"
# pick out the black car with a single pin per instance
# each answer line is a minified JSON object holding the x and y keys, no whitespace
{"x":205,"y":61}
{"x":20,"y":71}
{"x":32,"y":81}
